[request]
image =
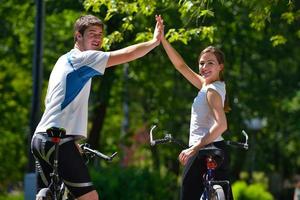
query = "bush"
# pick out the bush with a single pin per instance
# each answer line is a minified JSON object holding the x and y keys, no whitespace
{"x":134,"y":184}
{"x":18,"y":196}
{"x":242,"y":191}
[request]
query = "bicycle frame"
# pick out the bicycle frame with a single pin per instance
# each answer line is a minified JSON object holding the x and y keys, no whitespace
{"x":56,"y":189}
{"x":56,"y":134}
{"x":209,"y":181}
{"x":210,"y":156}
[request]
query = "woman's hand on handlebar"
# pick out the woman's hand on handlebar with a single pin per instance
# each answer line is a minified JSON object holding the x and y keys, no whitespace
{"x":186,"y":154}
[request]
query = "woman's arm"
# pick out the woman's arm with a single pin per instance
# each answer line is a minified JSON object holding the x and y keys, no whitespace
{"x":180,"y":65}
{"x":220,"y":126}
{"x":215,"y":103}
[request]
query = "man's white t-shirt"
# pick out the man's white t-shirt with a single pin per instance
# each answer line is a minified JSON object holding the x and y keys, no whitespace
{"x":202,"y":118}
{"x":68,"y":91}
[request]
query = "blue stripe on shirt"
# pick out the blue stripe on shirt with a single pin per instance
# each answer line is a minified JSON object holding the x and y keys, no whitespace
{"x":75,"y":81}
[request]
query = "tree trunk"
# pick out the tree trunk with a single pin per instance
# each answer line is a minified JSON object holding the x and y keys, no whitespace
{"x":101,"y":99}
{"x":97,"y":124}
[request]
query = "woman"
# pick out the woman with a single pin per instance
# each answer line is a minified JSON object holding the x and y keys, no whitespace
{"x":208,"y":120}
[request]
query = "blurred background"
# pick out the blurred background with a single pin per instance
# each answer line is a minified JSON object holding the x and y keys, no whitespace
{"x":260,"y":39}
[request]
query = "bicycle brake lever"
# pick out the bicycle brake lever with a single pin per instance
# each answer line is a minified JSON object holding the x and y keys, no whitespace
{"x":168,"y":136}
{"x":246,"y":137}
{"x":112,"y":156}
{"x":82,"y":146}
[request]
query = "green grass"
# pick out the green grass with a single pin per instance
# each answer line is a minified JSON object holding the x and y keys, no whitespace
{"x":12,"y":196}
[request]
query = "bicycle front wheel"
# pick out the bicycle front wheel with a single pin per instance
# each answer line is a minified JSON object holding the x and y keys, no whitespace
{"x":217,"y":193}
{"x":44,"y":194}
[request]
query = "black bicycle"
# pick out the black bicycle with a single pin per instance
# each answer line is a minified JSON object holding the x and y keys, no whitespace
{"x":57,"y":189}
{"x":213,"y":156}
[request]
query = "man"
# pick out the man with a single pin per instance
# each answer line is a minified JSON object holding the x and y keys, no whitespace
{"x":67,"y":102}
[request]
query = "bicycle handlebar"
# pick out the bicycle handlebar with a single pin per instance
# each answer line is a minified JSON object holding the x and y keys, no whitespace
{"x":169,"y":139}
{"x":86,"y":149}
{"x":237,"y":144}
{"x":240,"y":144}
{"x":160,"y":141}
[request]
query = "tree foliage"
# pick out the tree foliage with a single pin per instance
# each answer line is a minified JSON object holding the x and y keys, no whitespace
{"x":259,"y":38}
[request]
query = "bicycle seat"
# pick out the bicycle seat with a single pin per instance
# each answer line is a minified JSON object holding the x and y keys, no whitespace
{"x":211,"y":150}
{"x":55,"y":132}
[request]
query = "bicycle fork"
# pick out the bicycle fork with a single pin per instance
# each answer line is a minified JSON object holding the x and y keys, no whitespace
{"x":208,"y":178}
{"x":209,"y":181}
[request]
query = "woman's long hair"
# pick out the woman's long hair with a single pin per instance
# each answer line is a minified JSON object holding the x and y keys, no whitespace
{"x":221,"y":59}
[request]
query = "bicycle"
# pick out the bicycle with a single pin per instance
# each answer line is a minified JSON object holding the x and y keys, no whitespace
{"x":214,"y":157}
{"x":57,"y":189}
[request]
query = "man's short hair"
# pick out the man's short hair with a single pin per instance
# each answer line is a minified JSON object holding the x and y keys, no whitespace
{"x":83,"y":22}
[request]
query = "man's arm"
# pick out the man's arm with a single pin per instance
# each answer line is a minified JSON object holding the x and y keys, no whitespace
{"x":131,"y":53}
{"x":135,"y":51}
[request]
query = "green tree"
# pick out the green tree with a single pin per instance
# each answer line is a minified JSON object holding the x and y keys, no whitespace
{"x":259,"y":39}
{"x":15,"y":85}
